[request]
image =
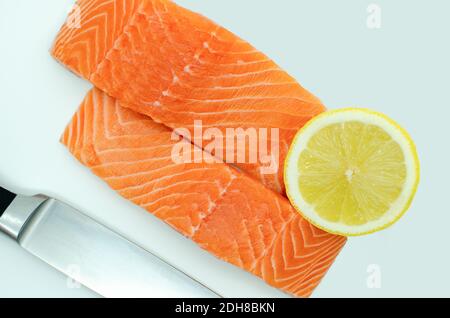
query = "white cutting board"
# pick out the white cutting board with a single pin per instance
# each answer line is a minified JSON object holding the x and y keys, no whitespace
{"x":38,"y":99}
{"x":400,"y":69}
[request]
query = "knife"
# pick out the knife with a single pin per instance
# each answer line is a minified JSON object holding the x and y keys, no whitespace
{"x":90,"y":253}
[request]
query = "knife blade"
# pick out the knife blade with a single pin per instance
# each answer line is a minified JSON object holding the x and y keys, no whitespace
{"x":89,"y":252}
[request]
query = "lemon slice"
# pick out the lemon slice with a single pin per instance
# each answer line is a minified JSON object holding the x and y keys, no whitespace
{"x":352,"y":171}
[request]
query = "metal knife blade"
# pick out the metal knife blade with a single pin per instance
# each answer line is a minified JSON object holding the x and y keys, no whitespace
{"x":90,"y":253}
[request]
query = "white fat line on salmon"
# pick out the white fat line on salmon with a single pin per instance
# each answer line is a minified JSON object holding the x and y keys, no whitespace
{"x":232,"y":145}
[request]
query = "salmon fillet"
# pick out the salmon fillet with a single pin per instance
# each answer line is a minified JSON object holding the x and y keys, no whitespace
{"x":224,"y":211}
{"x":176,"y":66}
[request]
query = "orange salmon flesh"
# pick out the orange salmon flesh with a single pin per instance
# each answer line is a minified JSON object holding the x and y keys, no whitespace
{"x":156,"y":67}
{"x":224,"y":211}
{"x":177,"y":66}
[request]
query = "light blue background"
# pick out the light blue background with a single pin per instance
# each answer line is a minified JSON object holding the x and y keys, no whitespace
{"x":401,"y":69}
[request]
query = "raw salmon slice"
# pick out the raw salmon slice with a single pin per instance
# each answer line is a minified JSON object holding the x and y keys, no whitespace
{"x":226,"y":212}
{"x":177,"y":66}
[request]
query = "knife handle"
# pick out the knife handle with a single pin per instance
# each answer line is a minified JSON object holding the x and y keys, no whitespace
{"x":6,"y":197}
{"x":20,"y":209}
